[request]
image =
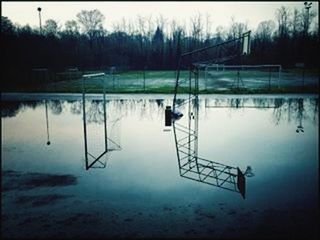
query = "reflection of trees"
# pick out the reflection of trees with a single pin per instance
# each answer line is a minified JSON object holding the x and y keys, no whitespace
{"x":160,"y":103}
{"x":55,"y":106}
{"x":300,"y":114}
{"x":12,"y":108}
{"x":76,"y":107}
{"x":315,"y":104}
{"x":263,"y":103}
{"x":277,"y":112}
{"x":94,"y":112}
{"x":283,"y":109}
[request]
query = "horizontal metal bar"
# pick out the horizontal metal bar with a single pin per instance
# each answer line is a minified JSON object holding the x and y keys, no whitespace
{"x":225,"y":180}
{"x":241,"y":107}
{"x":93,"y":75}
{"x":212,"y":46}
{"x":195,"y":179}
{"x":217,"y":164}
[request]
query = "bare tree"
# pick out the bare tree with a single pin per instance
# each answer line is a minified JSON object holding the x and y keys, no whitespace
{"x":241,"y":28}
{"x":307,"y":17}
{"x":91,"y":21}
{"x":51,"y":27}
{"x":196,"y":27}
{"x":150,"y":27}
{"x":296,"y":22}
{"x":208,"y":27}
{"x":283,"y":15}
{"x":233,"y":29}
{"x":219,"y":34}
{"x":72,"y":26}
{"x":265,"y":30}
{"x":141,"y":23}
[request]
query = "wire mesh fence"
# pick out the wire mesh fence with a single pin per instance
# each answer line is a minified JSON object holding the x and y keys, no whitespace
{"x":211,"y":79}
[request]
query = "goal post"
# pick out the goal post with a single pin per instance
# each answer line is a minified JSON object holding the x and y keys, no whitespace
{"x":253,"y":76}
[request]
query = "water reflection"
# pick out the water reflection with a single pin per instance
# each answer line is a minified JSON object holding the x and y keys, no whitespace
{"x":47,"y":121}
{"x":300,"y":116}
{"x":192,"y":166}
{"x":283,"y":109}
{"x":98,"y":147}
{"x":186,"y":137}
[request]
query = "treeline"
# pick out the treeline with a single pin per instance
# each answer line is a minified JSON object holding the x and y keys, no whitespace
{"x":153,"y":44}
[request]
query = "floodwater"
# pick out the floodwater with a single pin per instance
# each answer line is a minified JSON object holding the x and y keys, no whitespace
{"x":53,"y":188}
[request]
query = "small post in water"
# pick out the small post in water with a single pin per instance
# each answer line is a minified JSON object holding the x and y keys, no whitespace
{"x":168,"y":116}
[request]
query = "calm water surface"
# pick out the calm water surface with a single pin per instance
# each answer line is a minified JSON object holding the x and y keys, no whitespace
{"x":135,"y":189}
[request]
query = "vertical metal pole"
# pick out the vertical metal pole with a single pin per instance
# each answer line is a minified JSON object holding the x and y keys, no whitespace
{"x":113,"y":80}
{"x":189,"y":119}
{"x":269,"y":78}
{"x":39,"y":9}
{"x":279,"y":77}
{"x":177,"y":149}
{"x":196,"y":119}
{"x":205,"y":77}
{"x":84,"y":123}
{"x":105,"y":115}
{"x":144,"y":79}
{"x":238,"y":76}
{"x":303,"y":71}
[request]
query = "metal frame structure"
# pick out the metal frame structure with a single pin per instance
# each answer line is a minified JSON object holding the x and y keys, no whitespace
{"x":192,"y":166}
{"x":239,"y":68}
{"x":96,"y":159}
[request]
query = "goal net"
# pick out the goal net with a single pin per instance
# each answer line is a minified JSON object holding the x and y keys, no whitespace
{"x":220,"y":76}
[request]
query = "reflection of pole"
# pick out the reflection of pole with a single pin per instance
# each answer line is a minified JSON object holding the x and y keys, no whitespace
{"x":84,"y":121}
{"x":105,"y":117}
{"x":196,"y":113}
{"x":300,"y":116}
{"x":48,"y":138}
{"x":189,"y":122}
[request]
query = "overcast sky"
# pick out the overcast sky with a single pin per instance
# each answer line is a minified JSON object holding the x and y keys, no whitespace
{"x":220,"y":12}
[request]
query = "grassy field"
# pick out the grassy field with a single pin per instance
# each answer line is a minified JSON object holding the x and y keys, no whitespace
{"x":164,"y":82}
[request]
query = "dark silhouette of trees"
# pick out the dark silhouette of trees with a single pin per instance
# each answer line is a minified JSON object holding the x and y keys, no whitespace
{"x":83,"y":43}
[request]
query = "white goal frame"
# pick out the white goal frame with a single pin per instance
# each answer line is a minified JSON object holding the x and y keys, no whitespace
{"x":222,"y":67}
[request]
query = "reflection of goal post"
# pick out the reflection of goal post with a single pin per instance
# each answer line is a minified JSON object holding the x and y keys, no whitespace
{"x":97,"y":144}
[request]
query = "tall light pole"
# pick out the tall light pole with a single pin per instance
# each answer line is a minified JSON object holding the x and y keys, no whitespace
{"x":39,"y":10}
{"x":307,"y":6}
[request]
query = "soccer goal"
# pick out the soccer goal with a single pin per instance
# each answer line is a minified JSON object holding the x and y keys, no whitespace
{"x":248,"y":76}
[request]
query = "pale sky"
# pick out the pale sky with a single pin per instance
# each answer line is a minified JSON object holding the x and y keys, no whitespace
{"x":220,"y":12}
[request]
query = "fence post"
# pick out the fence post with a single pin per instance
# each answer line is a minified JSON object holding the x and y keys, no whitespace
{"x":269,"y":78}
{"x":144,"y":78}
{"x":279,"y":75}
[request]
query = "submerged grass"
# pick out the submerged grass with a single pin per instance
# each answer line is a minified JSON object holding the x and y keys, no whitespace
{"x":154,"y":82}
